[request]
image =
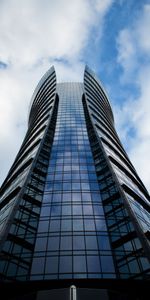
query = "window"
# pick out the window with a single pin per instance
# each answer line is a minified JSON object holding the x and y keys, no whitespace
{"x":38,"y":265}
{"x":65,"y":265}
{"x":78,"y":243}
{"x":89,"y":224}
{"x":91,"y":242}
{"x":66,"y":225}
{"x":77,"y":225}
{"x":54,"y":225}
{"x":53,"y":243}
{"x":43,"y":226}
{"x":107,"y":264}
{"x":79,"y":264}
{"x":51,"y":265}
{"x":66,"y":243}
{"x":93,"y":264}
{"x":40,"y":244}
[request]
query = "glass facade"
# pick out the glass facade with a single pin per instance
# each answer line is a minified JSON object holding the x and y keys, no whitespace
{"x":72,"y":239}
{"x":72,"y":205}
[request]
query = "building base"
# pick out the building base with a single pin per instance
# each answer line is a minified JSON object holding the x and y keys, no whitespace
{"x":76,"y":290}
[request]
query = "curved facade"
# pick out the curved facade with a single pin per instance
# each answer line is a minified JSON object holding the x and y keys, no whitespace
{"x":72,"y":205}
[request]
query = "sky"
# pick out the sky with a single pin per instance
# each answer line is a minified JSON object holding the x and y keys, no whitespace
{"x":111,"y":36}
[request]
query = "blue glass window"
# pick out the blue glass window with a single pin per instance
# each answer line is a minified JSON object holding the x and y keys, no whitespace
{"x":76,"y":197}
{"x":100,"y":225}
{"x":65,"y":265}
{"x":86,"y":197}
{"x":45,"y":211}
{"x":47,"y":198}
{"x":66,"y":225}
{"x":40,"y":244}
{"x":77,"y":209}
{"x":66,"y":243}
{"x":98,"y":210}
{"x":85,"y":186}
{"x":79,"y":263}
{"x":51,"y":265}
{"x":55,"y":210}
{"x":43,"y":226}
{"x":54,"y":225}
{"x":53,"y":243}
{"x":78,"y":225}
{"x":93,"y":264}
{"x":91,"y":242}
{"x":78,"y":242}
{"x":84,"y":176}
{"x":76,"y":186}
{"x":89,"y":224}
{"x":67,"y":176}
{"x":67,"y":186}
{"x":38,"y":265}
{"x":134,"y":267}
{"x":87,"y":210}
{"x":66,"y":210}
{"x":66,"y":197}
{"x":56,"y":198}
{"x":107,"y":264}
{"x":12,"y":268}
{"x":96,"y":197}
{"x":103,"y":242}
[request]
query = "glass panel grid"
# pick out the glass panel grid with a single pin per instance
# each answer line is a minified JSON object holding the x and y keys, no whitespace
{"x":72,"y":226}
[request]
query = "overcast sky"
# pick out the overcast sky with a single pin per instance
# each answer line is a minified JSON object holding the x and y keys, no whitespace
{"x":111,"y":36}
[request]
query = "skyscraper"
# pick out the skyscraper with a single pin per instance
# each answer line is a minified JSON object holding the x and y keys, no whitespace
{"x":73,"y":209}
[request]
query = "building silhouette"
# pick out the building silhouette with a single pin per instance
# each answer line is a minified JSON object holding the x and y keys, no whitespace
{"x":74,"y":214}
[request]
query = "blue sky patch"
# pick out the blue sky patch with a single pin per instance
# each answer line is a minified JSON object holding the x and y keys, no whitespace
{"x":3,"y":65}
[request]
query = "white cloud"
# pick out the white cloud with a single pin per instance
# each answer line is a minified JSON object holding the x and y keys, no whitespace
{"x":126,"y":50}
{"x":35,"y":34}
{"x":142,"y":30}
{"x":40,"y":29}
{"x":133,"y":43}
{"x":102,"y":6}
{"x":134,"y":57}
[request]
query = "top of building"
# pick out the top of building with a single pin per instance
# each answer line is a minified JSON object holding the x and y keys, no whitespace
{"x":50,"y":77}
